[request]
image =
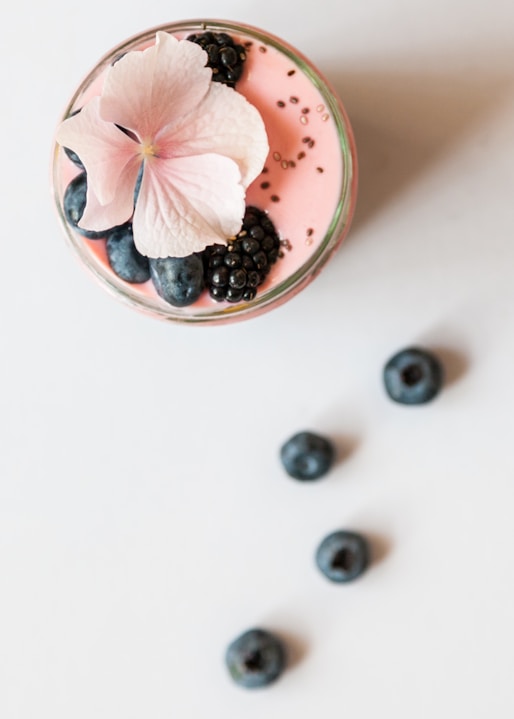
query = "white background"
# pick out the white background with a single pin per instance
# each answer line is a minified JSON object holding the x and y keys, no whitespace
{"x":144,"y":517}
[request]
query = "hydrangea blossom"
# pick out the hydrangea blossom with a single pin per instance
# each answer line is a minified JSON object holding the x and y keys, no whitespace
{"x":199,"y":144}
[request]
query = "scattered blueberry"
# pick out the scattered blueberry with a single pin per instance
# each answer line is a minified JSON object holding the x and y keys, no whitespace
{"x":413,"y":376}
{"x":343,"y":556}
{"x":178,"y":280}
{"x":74,"y":202}
{"x":307,"y":456}
{"x":124,"y":258}
{"x":225,"y":57}
{"x":234,"y":271}
{"x":255,"y":659}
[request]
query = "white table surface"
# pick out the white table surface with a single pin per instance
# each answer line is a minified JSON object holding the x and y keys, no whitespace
{"x":144,"y":517}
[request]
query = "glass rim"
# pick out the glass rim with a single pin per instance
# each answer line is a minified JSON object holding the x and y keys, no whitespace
{"x":305,"y":273}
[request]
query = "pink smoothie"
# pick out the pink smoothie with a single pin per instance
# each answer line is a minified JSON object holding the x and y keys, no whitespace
{"x":307,"y":185}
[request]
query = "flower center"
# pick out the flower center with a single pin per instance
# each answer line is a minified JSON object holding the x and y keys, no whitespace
{"x":148,"y":149}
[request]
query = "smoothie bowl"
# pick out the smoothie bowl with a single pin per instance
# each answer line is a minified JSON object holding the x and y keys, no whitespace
{"x":204,"y":171}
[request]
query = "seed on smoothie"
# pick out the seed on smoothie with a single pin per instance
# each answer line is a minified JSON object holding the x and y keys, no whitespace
{"x":300,"y":155}
{"x":292,"y":163}
{"x":306,"y":110}
{"x":310,"y":232}
{"x":291,"y":72}
{"x":325,"y":117}
{"x":265,"y":185}
{"x":262,"y":48}
{"x":293,"y":99}
{"x":264,"y":170}
{"x":281,"y":103}
{"x":285,"y":164}
{"x":320,"y":108}
{"x":275,"y":198}
{"x":304,"y":119}
{"x":320,"y":169}
{"x":286,"y":244}
{"x":306,"y":139}
{"x":277,"y":156}
{"x":310,"y":144}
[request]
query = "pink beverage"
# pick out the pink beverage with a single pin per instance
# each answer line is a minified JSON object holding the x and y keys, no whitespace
{"x":307,"y":185}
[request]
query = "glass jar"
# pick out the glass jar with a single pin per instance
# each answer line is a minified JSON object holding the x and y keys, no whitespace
{"x":307,"y":187}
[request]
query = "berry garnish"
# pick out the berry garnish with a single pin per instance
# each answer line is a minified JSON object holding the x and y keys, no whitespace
{"x":413,"y":376}
{"x":234,"y":271}
{"x":343,"y":556}
{"x":74,"y":202}
{"x":255,"y":659}
{"x":307,"y":456}
{"x":73,"y":155}
{"x":225,"y":57}
{"x":124,"y":259}
{"x":178,"y":280}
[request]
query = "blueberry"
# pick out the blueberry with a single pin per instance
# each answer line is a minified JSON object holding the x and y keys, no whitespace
{"x":139,"y":179}
{"x":413,"y":376}
{"x":255,"y":659}
{"x":74,"y":157}
{"x":124,"y":258}
{"x":307,"y":456}
{"x":70,"y":153}
{"x":343,"y":556}
{"x":178,"y":280}
{"x":74,"y":202}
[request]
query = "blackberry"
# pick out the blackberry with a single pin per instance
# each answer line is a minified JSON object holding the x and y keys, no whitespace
{"x":225,"y":57}
{"x":233,"y":272}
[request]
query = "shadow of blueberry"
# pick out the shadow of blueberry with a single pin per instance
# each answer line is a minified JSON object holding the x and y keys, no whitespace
{"x":455,"y":363}
{"x":380,"y":547}
{"x":296,"y":647}
{"x":345,"y":445}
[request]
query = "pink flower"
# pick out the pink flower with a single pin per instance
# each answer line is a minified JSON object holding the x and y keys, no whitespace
{"x":200,"y":144}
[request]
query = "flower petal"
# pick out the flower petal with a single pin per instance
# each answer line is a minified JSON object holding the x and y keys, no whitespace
{"x":112,"y":161}
{"x":103,"y":149}
{"x":98,"y":217}
{"x":224,"y":123}
{"x":187,"y":203}
{"x":146,"y":90}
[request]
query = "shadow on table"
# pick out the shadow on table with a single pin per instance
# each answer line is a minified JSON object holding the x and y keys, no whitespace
{"x":407,"y":121}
